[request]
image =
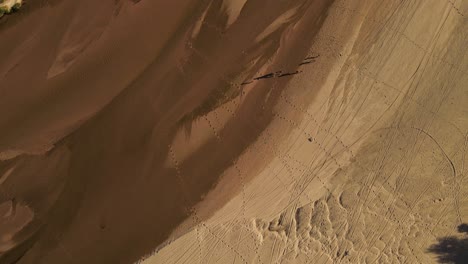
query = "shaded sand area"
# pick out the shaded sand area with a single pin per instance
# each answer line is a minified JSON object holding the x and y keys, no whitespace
{"x":234,"y":131}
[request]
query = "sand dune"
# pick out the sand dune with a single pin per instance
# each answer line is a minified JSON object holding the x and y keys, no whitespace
{"x":234,"y":131}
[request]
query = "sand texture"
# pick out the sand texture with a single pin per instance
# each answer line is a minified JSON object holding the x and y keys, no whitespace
{"x":234,"y":131}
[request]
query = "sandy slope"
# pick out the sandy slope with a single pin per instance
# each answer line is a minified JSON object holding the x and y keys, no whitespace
{"x":233,"y":131}
{"x":383,"y":180}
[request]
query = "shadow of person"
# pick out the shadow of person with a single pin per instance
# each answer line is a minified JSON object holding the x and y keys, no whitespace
{"x":452,"y":249}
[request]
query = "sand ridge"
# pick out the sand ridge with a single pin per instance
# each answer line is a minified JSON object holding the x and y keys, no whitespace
{"x":369,"y":173}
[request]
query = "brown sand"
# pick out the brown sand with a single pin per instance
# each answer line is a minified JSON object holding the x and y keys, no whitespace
{"x":232,"y":131}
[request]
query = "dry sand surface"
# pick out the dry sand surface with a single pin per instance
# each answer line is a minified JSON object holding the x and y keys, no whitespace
{"x":234,"y":131}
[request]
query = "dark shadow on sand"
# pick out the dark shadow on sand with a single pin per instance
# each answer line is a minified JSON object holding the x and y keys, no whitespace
{"x":452,"y":249}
